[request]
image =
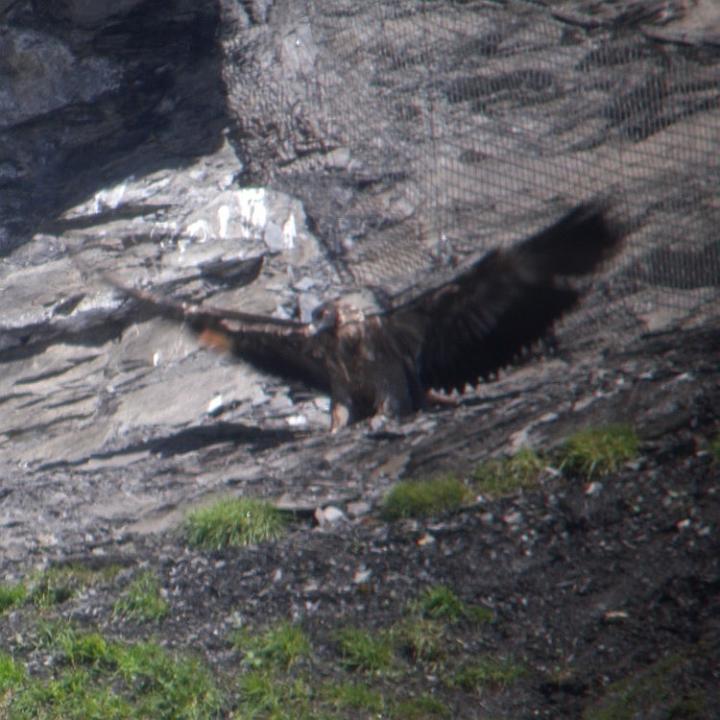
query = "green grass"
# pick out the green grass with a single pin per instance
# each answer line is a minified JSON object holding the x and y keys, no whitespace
{"x":11,"y":596}
{"x":424,"y":707}
{"x":279,"y":647}
{"x":92,"y":677}
{"x":266,"y":695}
{"x":421,"y":498}
{"x":54,"y":587}
{"x":12,"y":674}
{"x":595,"y":452}
{"x":171,"y":686}
{"x":353,"y":696}
{"x":487,"y":673}
{"x":420,"y":639}
{"x":422,"y":636}
{"x":498,"y":477}
{"x":261,"y":693}
{"x":58,"y":584}
{"x":441,"y":603}
{"x":271,"y":685}
{"x":653,"y":692}
{"x":72,"y":695}
{"x":234,"y":522}
{"x":276,"y":674}
{"x":366,"y":651}
{"x":714,"y":447}
{"x":142,"y":601}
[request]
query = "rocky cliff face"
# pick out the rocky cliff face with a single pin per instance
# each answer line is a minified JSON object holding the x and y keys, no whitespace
{"x":129,"y":136}
{"x":170,"y":144}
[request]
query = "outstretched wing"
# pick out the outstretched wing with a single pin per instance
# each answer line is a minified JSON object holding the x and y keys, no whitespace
{"x":280,"y":347}
{"x":481,"y":321}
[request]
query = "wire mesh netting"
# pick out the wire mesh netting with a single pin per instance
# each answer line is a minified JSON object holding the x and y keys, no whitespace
{"x":419,"y":133}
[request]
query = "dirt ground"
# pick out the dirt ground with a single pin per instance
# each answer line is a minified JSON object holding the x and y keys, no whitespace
{"x":605,"y":592}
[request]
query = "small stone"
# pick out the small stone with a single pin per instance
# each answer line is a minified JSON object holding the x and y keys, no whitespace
{"x":425,"y":539}
{"x":47,"y":540}
{"x":329,"y":515}
{"x":310,"y":586}
{"x":362,"y":575}
{"x":235,"y":619}
{"x":305,"y":284}
{"x":358,"y":508}
{"x":215,"y":406}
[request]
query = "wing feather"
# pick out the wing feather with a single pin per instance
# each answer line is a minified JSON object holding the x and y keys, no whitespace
{"x":488,"y":315}
{"x":279,"y":347}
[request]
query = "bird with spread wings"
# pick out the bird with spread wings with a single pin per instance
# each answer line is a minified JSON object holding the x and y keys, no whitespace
{"x":389,"y":362}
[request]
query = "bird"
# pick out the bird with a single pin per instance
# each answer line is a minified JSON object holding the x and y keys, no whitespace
{"x":392,"y":361}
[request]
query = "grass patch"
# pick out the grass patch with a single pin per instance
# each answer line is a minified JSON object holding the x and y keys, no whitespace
{"x":497,"y":477}
{"x":265,"y":695}
{"x":279,"y":647}
{"x":421,"y":636}
{"x":59,"y":584}
{"x":420,"y":639}
{"x":234,"y":522}
{"x":488,"y":673}
{"x":421,"y":498}
{"x":420,"y":708}
{"x":655,"y":692}
{"x":362,"y":650}
{"x":595,"y":452}
{"x":12,"y":596}
{"x":714,"y":447}
{"x":94,"y":678}
{"x":353,"y":696}
{"x":12,"y":674}
{"x":73,"y":695}
{"x":270,"y":687}
{"x":167,"y":686}
{"x":441,"y":603}
{"x":142,"y":601}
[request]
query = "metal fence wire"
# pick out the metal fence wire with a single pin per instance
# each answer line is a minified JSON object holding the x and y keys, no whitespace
{"x":419,"y":133}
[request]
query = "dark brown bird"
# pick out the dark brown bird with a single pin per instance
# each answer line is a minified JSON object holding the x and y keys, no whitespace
{"x":446,"y":338}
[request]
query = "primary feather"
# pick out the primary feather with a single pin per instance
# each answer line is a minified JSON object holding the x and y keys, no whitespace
{"x":507,"y":301}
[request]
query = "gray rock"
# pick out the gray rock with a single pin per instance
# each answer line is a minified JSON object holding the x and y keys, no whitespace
{"x":255,"y":129}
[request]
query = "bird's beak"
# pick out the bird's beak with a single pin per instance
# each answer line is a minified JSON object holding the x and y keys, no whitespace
{"x":318,"y":325}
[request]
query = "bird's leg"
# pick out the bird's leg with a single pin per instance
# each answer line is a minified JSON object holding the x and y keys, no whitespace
{"x":339,"y":414}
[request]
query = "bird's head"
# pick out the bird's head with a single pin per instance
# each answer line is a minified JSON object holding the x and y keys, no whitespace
{"x":324,"y":317}
{"x":331,"y":315}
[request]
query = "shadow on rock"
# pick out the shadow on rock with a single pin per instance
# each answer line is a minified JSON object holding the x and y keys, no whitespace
{"x":196,"y":438}
{"x":102,"y":99}
{"x":193,"y":439}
